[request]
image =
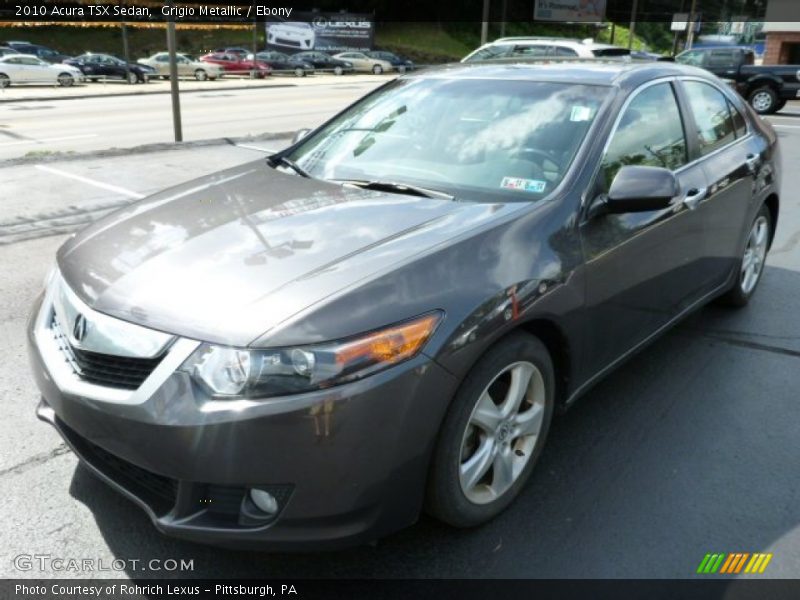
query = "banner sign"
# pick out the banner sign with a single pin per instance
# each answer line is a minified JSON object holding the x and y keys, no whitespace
{"x":583,"y":11}
{"x":326,"y":32}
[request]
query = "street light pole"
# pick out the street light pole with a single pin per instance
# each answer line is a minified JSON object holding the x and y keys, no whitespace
{"x":485,"y":23}
{"x":173,"y":80}
{"x":632,"y":30}
{"x":690,"y":35}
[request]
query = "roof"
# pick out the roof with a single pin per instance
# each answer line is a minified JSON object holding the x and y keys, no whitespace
{"x":587,"y":71}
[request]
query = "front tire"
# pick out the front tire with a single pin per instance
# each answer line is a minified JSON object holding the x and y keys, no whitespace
{"x":132,"y":78}
{"x":4,"y":81}
{"x":200,"y":75}
{"x":65,"y":80}
{"x":377,"y":69}
{"x":764,"y":100}
{"x":338,"y":70}
{"x":751,"y":267}
{"x":493,"y":433}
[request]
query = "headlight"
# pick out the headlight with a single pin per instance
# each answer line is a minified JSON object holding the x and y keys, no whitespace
{"x":235,"y":372}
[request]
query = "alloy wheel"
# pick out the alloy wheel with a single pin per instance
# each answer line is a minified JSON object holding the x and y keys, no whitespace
{"x":65,"y":80}
{"x":754,"y":254}
{"x":761,"y":101}
{"x":502,"y":432}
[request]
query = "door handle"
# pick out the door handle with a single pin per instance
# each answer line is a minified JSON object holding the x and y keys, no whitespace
{"x":753,"y":162}
{"x":693,"y":197}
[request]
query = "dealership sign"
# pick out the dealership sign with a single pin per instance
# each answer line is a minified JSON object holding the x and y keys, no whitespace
{"x":586,"y":11}
{"x":327,"y":32}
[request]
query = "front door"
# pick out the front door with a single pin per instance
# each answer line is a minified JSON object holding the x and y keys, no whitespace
{"x":640,"y":267}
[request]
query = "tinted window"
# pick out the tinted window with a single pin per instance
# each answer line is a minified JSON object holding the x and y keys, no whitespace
{"x":649,"y":133}
{"x":562,"y":51}
{"x":693,"y":57}
{"x":711,"y":114}
{"x":491,"y":52}
{"x":721,"y":58}
{"x":530,"y":50}
{"x":739,"y":123}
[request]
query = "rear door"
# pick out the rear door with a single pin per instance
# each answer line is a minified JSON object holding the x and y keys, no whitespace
{"x":730,"y":157}
{"x":642,"y":268}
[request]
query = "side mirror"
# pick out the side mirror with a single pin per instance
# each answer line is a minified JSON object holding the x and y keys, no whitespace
{"x":299,"y":135}
{"x":641,"y":189}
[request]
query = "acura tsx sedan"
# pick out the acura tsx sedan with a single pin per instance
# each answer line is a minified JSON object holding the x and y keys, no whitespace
{"x":383,"y":318}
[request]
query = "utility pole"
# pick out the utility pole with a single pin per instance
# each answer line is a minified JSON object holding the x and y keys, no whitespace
{"x":255,"y":41}
{"x":690,"y":35}
{"x":503,"y":19}
{"x":485,"y":23}
{"x":173,"y":79}
{"x":633,"y":24}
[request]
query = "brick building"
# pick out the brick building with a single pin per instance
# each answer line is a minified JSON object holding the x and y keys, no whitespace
{"x":783,"y":33}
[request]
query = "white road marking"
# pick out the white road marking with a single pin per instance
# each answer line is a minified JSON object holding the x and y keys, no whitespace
{"x":44,"y":140}
{"x":786,"y":126}
{"x":98,"y":184}
{"x":249,"y":147}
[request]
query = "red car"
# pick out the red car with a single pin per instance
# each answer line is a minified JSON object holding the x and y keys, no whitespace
{"x":233,"y":63}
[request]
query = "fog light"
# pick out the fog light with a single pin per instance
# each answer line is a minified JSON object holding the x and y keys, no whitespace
{"x":265,"y":501}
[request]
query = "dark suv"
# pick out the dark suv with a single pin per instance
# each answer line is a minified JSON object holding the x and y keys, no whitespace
{"x":766,"y":87}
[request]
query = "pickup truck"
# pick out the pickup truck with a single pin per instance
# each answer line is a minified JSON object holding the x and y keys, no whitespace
{"x":766,"y":88}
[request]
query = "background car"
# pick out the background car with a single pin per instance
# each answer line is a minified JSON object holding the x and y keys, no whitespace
{"x":186,"y":66}
{"x":43,"y":52}
{"x":544,"y":47}
{"x":235,"y":64}
{"x":364,"y":63}
{"x":105,"y":66}
{"x":4,"y":50}
{"x":326,"y":62}
{"x":767,"y":88}
{"x":291,"y":34}
{"x":26,"y":68}
{"x":400,"y":63}
{"x":283,"y":63}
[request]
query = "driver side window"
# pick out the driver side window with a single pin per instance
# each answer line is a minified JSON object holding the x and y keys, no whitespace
{"x":650,"y":133}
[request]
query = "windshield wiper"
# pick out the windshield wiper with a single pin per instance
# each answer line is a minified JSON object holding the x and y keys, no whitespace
{"x":396,"y":188}
{"x":274,"y":161}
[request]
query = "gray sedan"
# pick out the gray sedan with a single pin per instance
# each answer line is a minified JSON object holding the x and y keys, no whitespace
{"x":384,"y":317}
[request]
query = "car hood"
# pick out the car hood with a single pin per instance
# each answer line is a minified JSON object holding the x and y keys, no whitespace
{"x":230,"y":257}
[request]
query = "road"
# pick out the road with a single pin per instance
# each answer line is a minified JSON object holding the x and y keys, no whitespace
{"x":691,"y":447}
{"x":81,"y":125}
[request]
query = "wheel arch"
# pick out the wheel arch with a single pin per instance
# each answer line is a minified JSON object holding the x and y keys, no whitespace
{"x":557,"y":344}
{"x":773,"y":204}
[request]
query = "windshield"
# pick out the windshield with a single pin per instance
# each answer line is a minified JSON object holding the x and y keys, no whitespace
{"x":473,"y":139}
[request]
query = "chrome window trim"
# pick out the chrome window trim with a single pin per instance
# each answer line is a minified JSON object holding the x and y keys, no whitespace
{"x":67,"y":381}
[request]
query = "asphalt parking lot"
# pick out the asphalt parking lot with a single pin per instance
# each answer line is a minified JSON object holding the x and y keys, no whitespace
{"x":691,"y":447}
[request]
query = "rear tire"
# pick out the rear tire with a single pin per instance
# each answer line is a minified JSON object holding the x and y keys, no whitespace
{"x":377,"y":69}
{"x":200,"y":75}
{"x":300,"y":72}
{"x":751,"y":267}
{"x":338,"y":70}
{"x":489,"y":443}
{"x":764,"y":100}
{"x":132,"y":78}
{"x":4,"y":81}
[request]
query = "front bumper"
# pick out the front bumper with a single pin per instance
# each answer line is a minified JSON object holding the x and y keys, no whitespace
{"x":348,"y":465}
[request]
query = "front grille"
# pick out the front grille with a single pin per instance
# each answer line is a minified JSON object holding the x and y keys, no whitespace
{"x":163,"y":487}
{"x":104,"y":369}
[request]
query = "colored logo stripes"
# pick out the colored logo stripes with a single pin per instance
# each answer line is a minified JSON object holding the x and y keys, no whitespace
{"x":734,"y":562}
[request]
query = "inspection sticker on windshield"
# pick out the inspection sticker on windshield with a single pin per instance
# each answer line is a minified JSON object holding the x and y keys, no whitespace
{"x":580,"y":113}
{"x":523,"y":185}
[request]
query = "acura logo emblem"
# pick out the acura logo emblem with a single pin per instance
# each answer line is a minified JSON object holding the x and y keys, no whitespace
{"x":79,"y":328}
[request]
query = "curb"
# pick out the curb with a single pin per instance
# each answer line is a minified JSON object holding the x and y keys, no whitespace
{"x":146,"y":148}
{"x":141,"y":93}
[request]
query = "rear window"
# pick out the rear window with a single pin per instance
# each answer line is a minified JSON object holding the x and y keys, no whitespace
{"x":611,"y":52}
{"x":490,"y":52}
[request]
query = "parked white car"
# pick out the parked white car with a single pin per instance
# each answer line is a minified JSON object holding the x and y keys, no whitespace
{"x":26,"y":68}
{"x":291,"y":34}
{"x":362,"y":62}
{"x":533,"y":47}
{"x":186,"y":67}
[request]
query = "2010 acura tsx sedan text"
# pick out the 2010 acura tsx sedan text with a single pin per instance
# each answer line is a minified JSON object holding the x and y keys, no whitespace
{"x":384,"y":317}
